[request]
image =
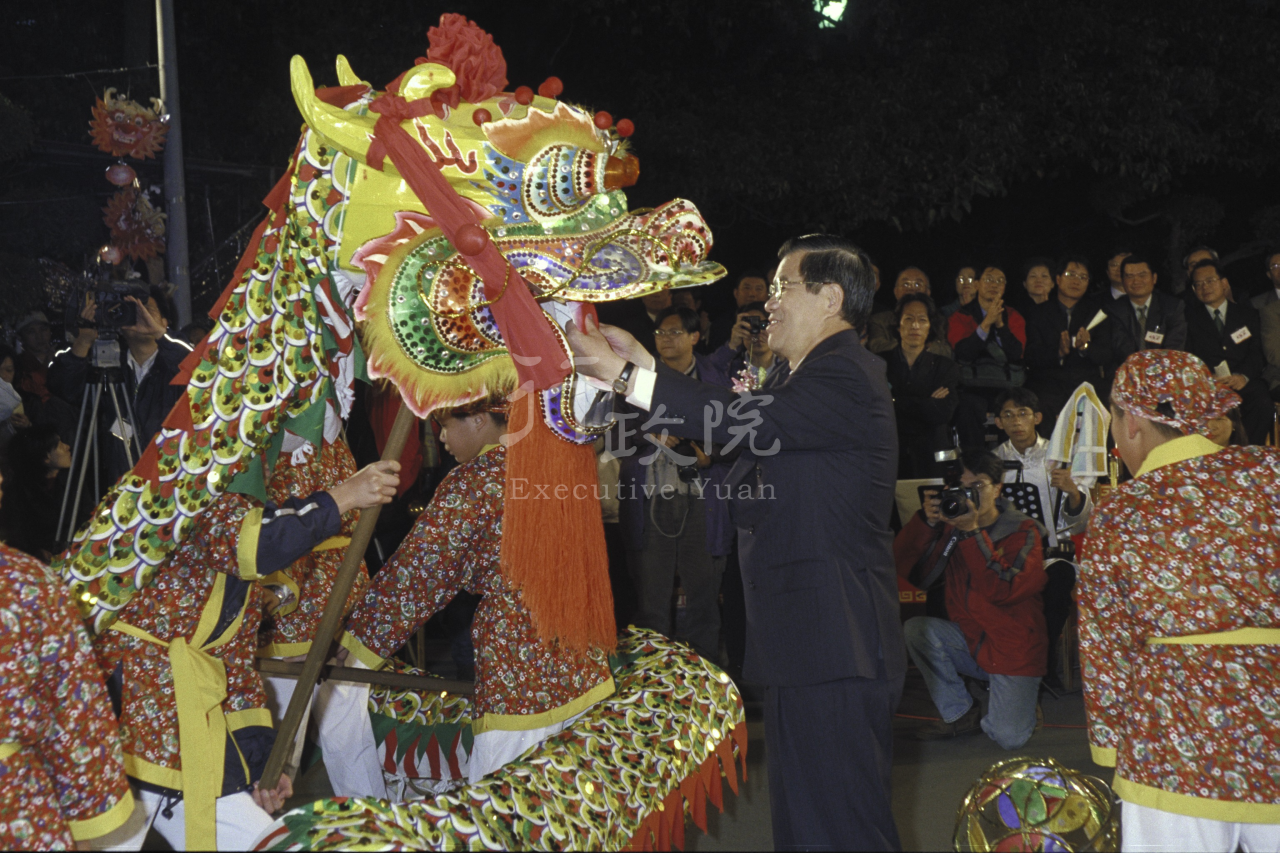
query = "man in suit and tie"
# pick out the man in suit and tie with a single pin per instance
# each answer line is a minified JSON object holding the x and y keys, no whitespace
{"x":1272,"y":294}
{"x":1144,"y":319}
{"x":811,"y":494}
{"x":1227,"y":337}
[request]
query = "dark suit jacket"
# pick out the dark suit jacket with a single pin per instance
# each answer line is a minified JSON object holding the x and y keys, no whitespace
{"x":922,"y":418}
{"x":811,"y":499}
{"x":1206,"y":344}
{"x":1165,"y":314}
{"x":1045,"y":325}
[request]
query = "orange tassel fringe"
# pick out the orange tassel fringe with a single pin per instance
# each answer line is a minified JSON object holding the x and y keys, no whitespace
{"x":552,"y":535}
{"x":664,"y":828}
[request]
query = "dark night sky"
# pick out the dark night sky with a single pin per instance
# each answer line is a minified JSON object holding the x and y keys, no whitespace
{"x":1021,"y":117}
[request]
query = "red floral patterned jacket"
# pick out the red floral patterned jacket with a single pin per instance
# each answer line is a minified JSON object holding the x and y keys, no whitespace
{"x":61,"y":775}
{"x":1179,"y":591}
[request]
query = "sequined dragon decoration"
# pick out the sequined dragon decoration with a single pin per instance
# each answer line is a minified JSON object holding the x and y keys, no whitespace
{"x":528,"y":228}
{"x":626,"y":775}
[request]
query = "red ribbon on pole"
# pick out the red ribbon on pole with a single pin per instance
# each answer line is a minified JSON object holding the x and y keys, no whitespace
{"x":526,"y":329}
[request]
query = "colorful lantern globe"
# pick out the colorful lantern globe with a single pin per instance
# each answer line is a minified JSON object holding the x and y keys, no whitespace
{"x":121,"y":174}
{"x":1026,"y":804}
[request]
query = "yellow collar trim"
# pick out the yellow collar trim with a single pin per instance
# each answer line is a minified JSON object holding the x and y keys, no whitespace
{"x":486,"y":449}
{"x":1177,"y":450}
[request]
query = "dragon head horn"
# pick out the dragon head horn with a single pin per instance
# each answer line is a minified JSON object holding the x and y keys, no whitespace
{"x":348,"y":131}
{"x":347,"y":76}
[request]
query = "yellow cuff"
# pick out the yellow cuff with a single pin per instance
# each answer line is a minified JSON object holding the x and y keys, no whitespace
{"x":237,"y":720}
{"x":283,"y":650}
{"x":363,"y":654}
{"x":247,"y":546}
{"x":109,"y":821}
{"x":1103,"y":756}
{"x":525,"y":722}
{"x":1184,"y":804}
{"x":282,"y":578}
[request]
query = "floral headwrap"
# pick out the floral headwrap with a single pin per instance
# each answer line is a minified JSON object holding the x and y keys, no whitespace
{"x":1151,"y":377}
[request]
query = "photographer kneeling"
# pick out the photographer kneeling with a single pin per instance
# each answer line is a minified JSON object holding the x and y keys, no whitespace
{"x":993,"y":567}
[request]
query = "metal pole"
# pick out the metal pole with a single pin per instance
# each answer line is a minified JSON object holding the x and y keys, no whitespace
{"x":175,"y":185}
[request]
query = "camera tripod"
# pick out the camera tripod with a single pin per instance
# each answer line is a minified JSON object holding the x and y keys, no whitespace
{"x":105,"y":374}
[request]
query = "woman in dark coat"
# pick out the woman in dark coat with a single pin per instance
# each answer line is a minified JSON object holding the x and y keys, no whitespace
{"x":36,"y":460}
{"x":924,"y":387}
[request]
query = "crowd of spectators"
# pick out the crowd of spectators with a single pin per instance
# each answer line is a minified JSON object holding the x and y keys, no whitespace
{"x":991,"y":369}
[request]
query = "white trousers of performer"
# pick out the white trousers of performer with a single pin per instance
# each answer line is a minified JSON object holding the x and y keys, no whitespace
{"x":1144,"y":829}
{"x":346,"y":738}
{"x":496,"y":747}
{"x":279,"y":692}
{"x":239,"y":823}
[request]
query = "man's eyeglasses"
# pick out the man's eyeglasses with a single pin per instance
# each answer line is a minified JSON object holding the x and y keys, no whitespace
{"x":781,"y":286}
{"x":912,"y":285}
{"x":916,"y":322}
{"x":669,"y":333}
{"x":1274,"y":267}
{"x":993,"y":280}
{"x":1203,"y":281}
{"x":1079,"y":276}
{"x":1017,"y":415}
{"x":966,"y":279}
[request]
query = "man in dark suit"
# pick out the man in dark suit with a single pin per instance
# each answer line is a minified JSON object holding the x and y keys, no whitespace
{"x":1272,"y":293}
{"x":1062,"y":351}
{"x":1228,"y":338}
{"x":811,"y":495}
{"x":1145,"y":319}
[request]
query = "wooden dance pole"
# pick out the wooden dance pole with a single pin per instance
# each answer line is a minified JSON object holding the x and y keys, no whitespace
{"x":331,"y":620}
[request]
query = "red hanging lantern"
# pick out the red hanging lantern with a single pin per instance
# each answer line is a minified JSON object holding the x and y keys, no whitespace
{"x":121,"y":174}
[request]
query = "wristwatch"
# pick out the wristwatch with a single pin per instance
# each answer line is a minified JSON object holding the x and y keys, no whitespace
{"x":620,"y":384}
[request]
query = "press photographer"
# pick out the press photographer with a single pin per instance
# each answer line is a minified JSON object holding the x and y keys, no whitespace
{"x":990,"y":558}
{"x":121,"y":345}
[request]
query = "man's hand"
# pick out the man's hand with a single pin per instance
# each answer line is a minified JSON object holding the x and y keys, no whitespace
{"x":995,"y":316}
{"x":1236,"y":382}
{"x":741,"y":332}
{"x":969,"y":521}
{"x":941,"y":393}
{"x":372,"y":485}
{"x":602,"y":351}
{"x":19,"y":420}
{"x":1060,"y":479}
{"x":86,"y":335}
{"x":931,"y":505}
{"x":146,"y":322}
{"x":1083,"y":338}
{"x":669,"y":440}
{"x":272,"y":801}
{"x":1064,"y":344}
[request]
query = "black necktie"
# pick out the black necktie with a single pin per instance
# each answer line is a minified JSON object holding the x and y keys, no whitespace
{"x":1217,"y":319}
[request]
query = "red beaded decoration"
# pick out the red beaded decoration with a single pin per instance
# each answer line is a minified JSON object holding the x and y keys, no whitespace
{"x":481,"y":116}
{"x":604,"y":121}
{"x":471,"y":240}
{"x":626,"y":127}
{"x":551,"y":87}
{"x":524,"y":95}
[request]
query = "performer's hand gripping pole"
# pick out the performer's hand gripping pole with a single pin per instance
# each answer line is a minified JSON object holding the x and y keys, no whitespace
{"x":331,"y":620}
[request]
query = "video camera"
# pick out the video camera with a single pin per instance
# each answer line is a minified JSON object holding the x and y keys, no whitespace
{"x":113,"y":309}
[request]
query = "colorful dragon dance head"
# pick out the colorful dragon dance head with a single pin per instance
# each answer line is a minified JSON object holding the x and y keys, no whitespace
{"x":459,"y":227}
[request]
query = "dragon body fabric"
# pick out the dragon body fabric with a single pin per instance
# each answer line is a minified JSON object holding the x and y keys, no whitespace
{"x":459,"y":227}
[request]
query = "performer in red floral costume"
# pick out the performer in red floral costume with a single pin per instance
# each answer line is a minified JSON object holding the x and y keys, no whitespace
{"x":526,"y":687}
{"x":193,"y":720}
{"x":61,"y":776}
{"x":1180,"y":618}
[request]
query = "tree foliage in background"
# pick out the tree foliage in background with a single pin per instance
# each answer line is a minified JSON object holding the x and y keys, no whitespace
{"x":906,"y":112}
